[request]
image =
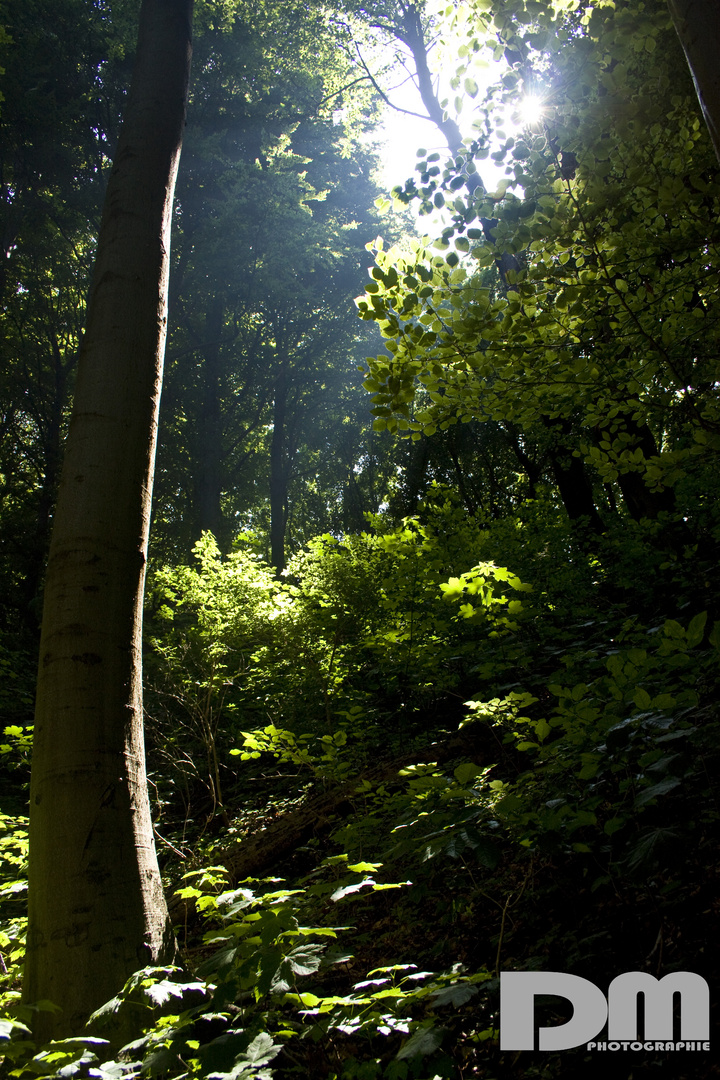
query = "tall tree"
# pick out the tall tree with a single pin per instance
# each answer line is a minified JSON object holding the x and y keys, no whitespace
{"x":697,"y":23}
{"x":608,"y":336}
{"x":97,"y":910}
{"x":417,"y":30}
{"x":61,"y":108}
{"x":275,"y":209}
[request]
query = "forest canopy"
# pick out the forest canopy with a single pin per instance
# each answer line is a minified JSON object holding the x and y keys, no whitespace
{"x":432,"y":614}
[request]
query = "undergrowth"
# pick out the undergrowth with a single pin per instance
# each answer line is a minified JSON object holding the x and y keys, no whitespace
{"x":524,"y":780}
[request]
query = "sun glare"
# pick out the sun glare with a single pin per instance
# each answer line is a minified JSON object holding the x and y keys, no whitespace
{"x":531,"y":110}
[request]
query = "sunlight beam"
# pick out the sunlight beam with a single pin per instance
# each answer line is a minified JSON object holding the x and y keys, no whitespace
{"x":531,"y":110}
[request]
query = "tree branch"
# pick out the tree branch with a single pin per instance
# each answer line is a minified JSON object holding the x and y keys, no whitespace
{"x":381,"y":92}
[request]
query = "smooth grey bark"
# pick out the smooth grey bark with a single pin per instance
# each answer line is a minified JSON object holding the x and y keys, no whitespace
{"x":96,"y":906}
{"x":697,"y":24}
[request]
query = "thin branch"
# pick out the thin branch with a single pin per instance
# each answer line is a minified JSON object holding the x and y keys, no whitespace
{"x":336,"y":93}
{"x":382,"y":93}
{"x":394,"y":31}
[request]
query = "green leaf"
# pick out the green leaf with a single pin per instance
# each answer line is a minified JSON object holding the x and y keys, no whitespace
{"x":467,"y":771}
{"x":664,"y":701}
{"x":454,"y":588}
{"x":696,"y":629}
{"x":650,"y":847}
{"x":456,"y":994}
{"x":641,"y":698}
{"x":486,"y":851}
{"x":424,"y":1041}
{"x":305,"y":959}
{"x":260,"y":1052}
{"x":8,"y":1026}
{"x":346,"y":890}
{"x":542,"y":729}
{"x":653,"y":792}
{"x":160,"y":992}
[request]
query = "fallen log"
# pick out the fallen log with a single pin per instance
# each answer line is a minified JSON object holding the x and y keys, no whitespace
{"x":260,"y":853}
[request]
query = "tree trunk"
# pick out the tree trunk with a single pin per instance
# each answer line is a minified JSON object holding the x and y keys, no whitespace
{"x":697,"y":23}
{"x":454,"y":455}
{"x":642,"y":501}
{"x":278,"y":476}
{"x":96,"y":905}
{"x":570,"y":476}
{"x":533,"y":469}
{"x":575,"y":490}
{"x":416,"y":475}
{"x":412,"y":34}
{"x":209,"y":481}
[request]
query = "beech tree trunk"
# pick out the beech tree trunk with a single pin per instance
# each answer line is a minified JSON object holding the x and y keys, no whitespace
{"x":697,"y":23}
{"x":96,"y":905}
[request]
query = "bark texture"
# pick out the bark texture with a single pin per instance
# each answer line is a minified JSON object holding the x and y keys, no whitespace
{"x":697,"y":23}
{"x":97,"y":910}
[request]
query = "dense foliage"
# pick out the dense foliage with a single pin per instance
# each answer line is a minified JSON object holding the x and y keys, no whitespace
{"x":448,"y":753}
{"x":424,"y":702}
